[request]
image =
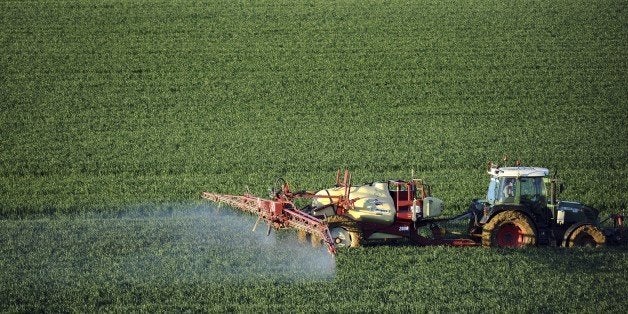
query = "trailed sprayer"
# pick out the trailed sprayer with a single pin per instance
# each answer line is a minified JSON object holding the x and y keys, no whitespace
{"x":345,"y":215}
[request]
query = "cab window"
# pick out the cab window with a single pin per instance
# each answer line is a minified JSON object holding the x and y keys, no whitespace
{"x":507,"y":190}
{"x":491,"y":194}
{"x":532,"y":189}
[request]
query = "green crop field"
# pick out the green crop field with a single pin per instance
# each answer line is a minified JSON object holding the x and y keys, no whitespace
{"x":116,"y":115}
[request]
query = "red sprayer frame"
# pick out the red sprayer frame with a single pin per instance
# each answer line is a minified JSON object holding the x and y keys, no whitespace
{"x":279,"y":214}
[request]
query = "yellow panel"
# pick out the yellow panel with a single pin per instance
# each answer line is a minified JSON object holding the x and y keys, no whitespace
{"x":373,"y":204}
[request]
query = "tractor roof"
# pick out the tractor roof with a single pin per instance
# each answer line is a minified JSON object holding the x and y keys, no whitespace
{"x":519,"y":172}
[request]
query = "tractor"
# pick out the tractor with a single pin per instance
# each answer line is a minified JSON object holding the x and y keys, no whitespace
{"x":522,"y":209}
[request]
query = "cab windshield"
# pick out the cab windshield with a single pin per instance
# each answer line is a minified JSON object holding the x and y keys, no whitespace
{"x":506,"y":189}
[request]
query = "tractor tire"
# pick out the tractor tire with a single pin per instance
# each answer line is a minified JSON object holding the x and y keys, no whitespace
{"x":586,"y":235}
{"x":509,"y":229}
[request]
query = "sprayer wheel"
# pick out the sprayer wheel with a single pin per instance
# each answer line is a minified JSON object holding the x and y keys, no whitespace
{"x":341,"y":237}
{"x":586,"y":235}
{"x":344,"y":230}
{"x":355,"y":239}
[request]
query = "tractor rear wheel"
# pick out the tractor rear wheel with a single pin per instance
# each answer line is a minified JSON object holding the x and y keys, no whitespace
{"x":509,"y":229}
{"x":586,"y":235}
{"x":355,"y":238}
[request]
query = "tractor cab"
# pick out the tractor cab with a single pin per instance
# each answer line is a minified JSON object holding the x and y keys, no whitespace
{"x":517,"y":186}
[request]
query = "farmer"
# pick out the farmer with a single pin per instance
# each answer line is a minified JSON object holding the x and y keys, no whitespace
{"x":509,"y":188}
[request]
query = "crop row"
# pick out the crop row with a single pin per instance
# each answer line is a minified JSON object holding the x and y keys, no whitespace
{"x":105,"y":104}
{"x":196,"y":257}
{"x":112,"y":112}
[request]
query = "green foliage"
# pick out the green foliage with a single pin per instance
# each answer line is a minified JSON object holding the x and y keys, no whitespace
{"x":119,"y":102}
{"x":107,"y":105}
{"x":198,"y":258}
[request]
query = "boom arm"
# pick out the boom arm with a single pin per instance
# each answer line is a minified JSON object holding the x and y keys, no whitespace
{"x":278,"y":214}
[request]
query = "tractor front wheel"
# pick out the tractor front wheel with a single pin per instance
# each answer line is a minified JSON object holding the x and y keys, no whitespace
{"x":586,"y":235}
{"x":509,"y":229}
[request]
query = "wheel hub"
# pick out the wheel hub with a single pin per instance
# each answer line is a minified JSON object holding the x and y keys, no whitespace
{"x":585,"y":240}
{"x":341,"y":237}
{"x":510,"y":235}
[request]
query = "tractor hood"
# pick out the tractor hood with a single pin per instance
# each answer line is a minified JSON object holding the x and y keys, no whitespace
{"x":576,"y":212}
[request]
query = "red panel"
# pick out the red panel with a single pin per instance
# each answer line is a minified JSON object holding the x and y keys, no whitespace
{"x":404,"y":215}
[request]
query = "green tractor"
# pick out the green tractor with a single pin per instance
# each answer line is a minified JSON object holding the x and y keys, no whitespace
{"x":521,"y":209}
